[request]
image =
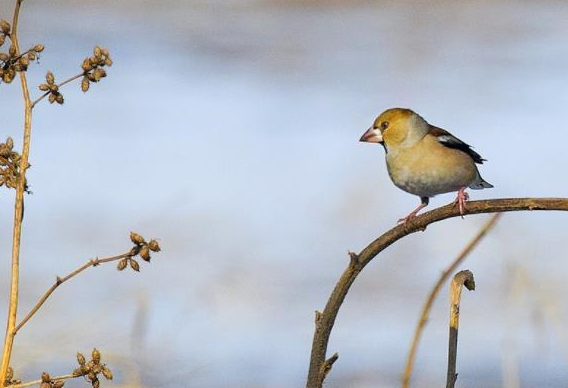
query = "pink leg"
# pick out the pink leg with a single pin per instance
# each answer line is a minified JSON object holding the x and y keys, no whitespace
{"x":461,"y":200}
{"x":415,"y":211}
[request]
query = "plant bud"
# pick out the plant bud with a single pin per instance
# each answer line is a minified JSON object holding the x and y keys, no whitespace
{"x":5,"y":26}
{"x":134,"y":265}
{"x":154,"y":246}
{"x":107,"y":373}
{"x":80,"y":359}
{"x":96,"y":355}
{"x":45,"y":377}
{"x":50,"y":78}
{"x":145,"y":253}
{"x":136,"y":238}
{"x":38,"y":48}
{"x":85,"y":84}
{"x":122,"y":264}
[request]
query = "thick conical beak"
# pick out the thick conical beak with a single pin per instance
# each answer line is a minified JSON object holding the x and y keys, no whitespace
{"x":373,"y":135}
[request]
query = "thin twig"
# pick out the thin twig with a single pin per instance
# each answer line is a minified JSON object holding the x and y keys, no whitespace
{"x":37,"y":382}
{"x":44,"y":95}
{"x":462,"y":278}
{"x":434,"y":293}
{"x":18,"y":208}
{"x":335,"y":301}
{"x":59,"y":281}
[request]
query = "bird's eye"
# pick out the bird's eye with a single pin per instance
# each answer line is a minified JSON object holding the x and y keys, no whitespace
{"x":384,"y":125}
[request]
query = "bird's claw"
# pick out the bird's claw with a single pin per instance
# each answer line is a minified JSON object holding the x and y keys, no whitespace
{"x":461,"y":200}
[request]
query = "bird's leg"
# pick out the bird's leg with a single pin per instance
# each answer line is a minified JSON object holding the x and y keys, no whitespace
{"x":461,"y":200}
{"x":424,"y":203}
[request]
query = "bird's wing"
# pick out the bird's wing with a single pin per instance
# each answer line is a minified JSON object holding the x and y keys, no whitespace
{"x":447,"y":139}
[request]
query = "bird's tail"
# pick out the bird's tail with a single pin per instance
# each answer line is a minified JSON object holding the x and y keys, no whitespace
{"x":479,"y":184}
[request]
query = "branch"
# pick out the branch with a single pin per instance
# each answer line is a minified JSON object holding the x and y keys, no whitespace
{"x":462,"y":278}
{"x":434,"y":293}
{"x":327,"y":319}
{"x":59,"y":281}
{"x":18,"y":209}
{"x":59,"y":86}
{"x":37,"y":382}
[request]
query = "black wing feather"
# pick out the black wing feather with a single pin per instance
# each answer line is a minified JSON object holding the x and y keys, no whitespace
{"x":447,"y":139}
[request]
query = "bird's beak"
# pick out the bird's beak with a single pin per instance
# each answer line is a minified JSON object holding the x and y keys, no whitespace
{"x":373,"y":135}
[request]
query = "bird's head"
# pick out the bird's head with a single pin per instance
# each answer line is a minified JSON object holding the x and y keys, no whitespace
{"x":396,"y":127}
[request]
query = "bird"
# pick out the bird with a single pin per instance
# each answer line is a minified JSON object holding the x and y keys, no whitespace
{"x":425,"y":160}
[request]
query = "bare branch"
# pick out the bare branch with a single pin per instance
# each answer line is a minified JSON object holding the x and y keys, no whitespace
{"x":434,"y":293}
{"x":329,"y":314}
{"x":59,"y":86}
{"x":462,"y":278}
{"x":37,"y":382}
{"x":59,"y":281}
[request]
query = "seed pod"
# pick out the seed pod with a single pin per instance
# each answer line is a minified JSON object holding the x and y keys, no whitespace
{"x":96,"y":355}
{"x":50,"y":78}
{"x":32,"y":56}
{"x":9,"y":143}
{"x":45,"y":377}
{"x":107,"y":373}
{"x":59,"y":99}
{"x":59,"y":384}
{"x":4,"y":57}
{"x":45,"y":385}
{"x":38,"y":48}
{"x":96,"y":383}
{"x":108,"y":62}
{"x":99,"y":73}
{"x":80,"y":359}
{"x":51,"y":98}
{"x":105,"y":52}
{"x":2,"y":39}
{"x":5,"y":26}
{"x":122,"y":264}
{"x":53,"y":88}
{"x":12,"y":50}
{"x":134,"y":265}
{"x":91,"y":376}
{"x":136,"y":238}
{"x":9,"y":373}
{"x":154,"y":246}
{"x":86,"y":65}
{"x":43,"y":87}
{"x":78,"y":372}
{"x":145,"y":253}
{"x":97,"y":51}
{"x":24,"y":61}
{"x":85,"y":84}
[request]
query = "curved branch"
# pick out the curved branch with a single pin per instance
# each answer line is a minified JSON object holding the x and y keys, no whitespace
{"x":324,"y":324}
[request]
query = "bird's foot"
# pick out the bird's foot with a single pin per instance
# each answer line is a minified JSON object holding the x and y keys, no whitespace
{"x":414,"y":212}
{"x":461,"y":200}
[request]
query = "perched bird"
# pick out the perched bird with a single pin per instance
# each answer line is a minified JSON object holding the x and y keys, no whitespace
{"x":425,"y":160}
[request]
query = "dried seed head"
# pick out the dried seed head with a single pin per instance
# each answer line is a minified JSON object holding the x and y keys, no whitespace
{"x":122,"y":264}
{"x":86,"y":65}
{"x":59,"y":384}
{"x":51,"y":98}
{"x":45,"y":377}
{"x":145,"y":253}
{"x":50,"y":78}
{"x":45,"y":385}
{"x":108,"y":62}
{"x":107,"y":373}
{"x":4,"y":57}
{"x":2,"y":39}
{"x":134,"y":265}
{"x":59,"y":99}
{"x":24,"y":61}
{"x":99,"y":73}
{"x":137,"y":239}
{"x":81,"y":359}
{"x":5,"y":26}
{"x":96,"y":383}
{"x":43,"y":87}
{"x":32,"y":56}
{"x":53,"y":88}
{"x":97,"y":51}
{"x":78,"y":372}
{"x":9,"y":373}
{"x":9,"y":143}
{"x":154,"y":246}
{"x":91,"y":376}
{"x":85,"y":84}
{"x":96,"y":355}
{"x":38,"y":48}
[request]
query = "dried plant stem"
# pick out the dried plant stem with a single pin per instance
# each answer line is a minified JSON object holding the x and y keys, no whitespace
{"x":37,"y":382}
{"x":59,"y":86}
{"x":462,"y":278}
{"x":18,"y":208}
{"x":59,"y":281}
{"x":434,"y":293}
{"x":326,"y":320}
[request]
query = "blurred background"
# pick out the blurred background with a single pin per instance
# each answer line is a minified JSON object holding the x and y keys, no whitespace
{"x":229,"y":130}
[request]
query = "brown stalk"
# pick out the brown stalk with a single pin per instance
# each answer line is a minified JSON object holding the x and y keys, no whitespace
{"x":38,"y":382}
{"x":18,"y":208}
{"x":434,"y":293}
{"x":462,"y":278}
{"x":327,"y":318}
{"x":59,"y":281}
